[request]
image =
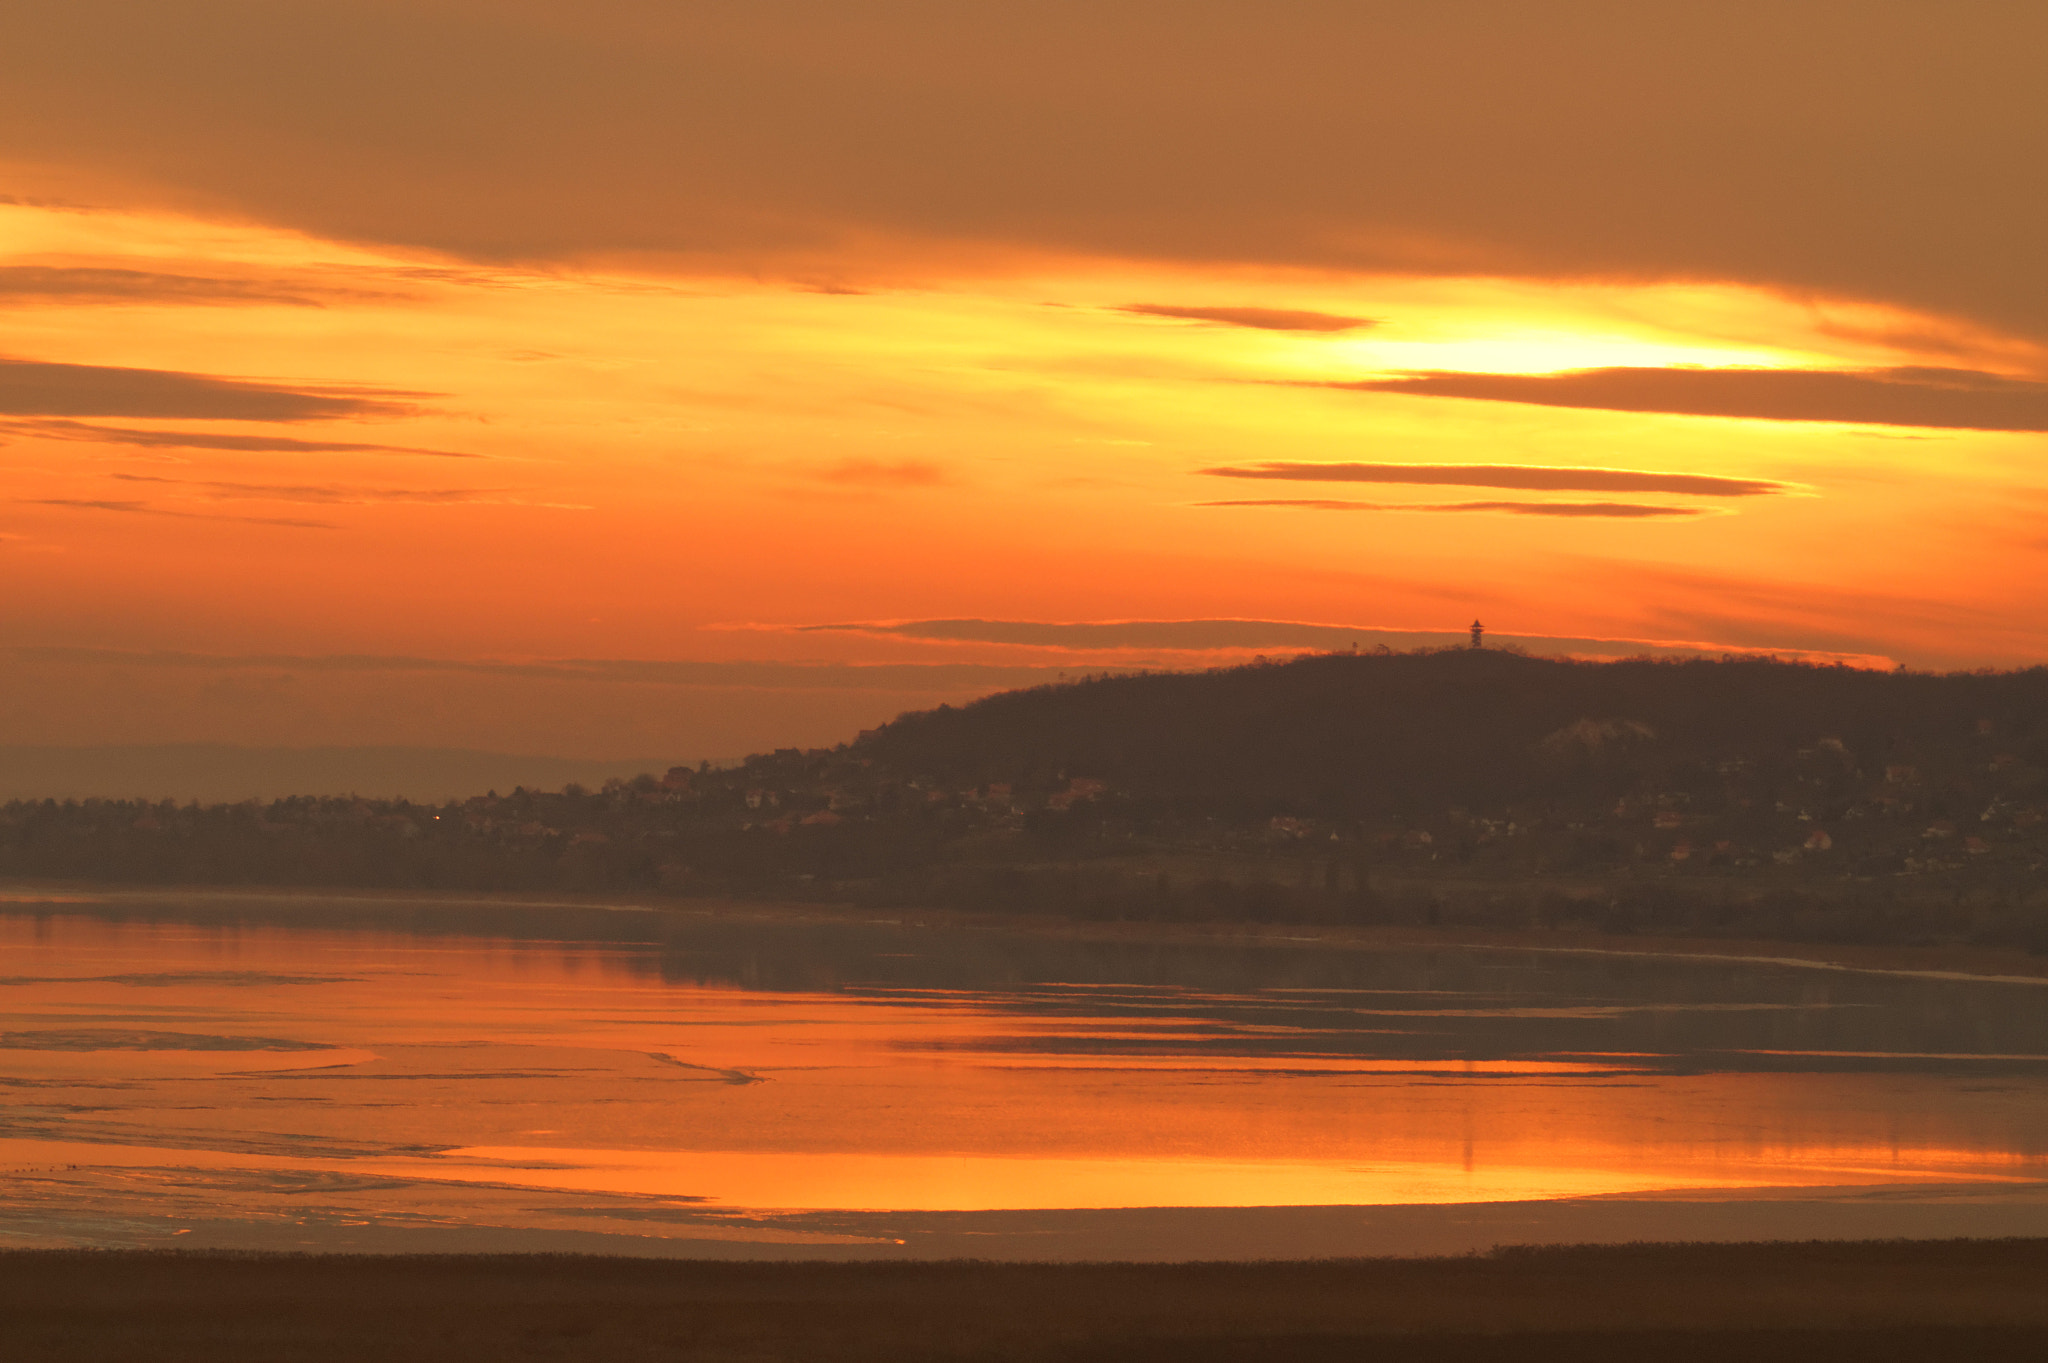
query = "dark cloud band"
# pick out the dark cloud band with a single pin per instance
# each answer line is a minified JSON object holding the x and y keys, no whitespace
{"x":1620,"y":510}
{"x":58,"y":284}
{"x":881,"y":473}
{"x":1526,"y":477}
{"x":56,"y":428}
{"x":1209,"y":636}
{"x":133,"y":508}
{"x":319,"y":494}
{"x":911,"y":678}
{"x":38,"y":388}
{"x":1474,"y":139}
{"x":1259,"y":319}
{"x":1178,"y":634}
{"x":1955,"y":399}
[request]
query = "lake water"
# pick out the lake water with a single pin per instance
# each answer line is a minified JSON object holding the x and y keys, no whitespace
{"x":335,"y":1072}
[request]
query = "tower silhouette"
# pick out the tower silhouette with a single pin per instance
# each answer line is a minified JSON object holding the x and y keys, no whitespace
{"x":1478,"y":634}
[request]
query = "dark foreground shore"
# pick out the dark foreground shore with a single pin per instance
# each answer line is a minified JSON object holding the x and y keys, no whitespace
{"x":1975,"y":1299}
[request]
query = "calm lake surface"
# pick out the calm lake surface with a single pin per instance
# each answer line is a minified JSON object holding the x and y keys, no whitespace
{"x":315,"y":1071}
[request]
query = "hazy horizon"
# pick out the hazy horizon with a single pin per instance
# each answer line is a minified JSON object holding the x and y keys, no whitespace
{"x":228,"y":773}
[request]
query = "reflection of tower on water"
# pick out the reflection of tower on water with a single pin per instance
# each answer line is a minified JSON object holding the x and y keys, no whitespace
{"x":1478,"y":634}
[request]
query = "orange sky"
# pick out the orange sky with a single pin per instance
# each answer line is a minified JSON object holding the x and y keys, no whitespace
{"x":539,"y":377}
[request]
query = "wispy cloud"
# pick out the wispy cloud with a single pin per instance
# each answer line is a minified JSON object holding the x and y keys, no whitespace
{"x":1202,"y":635}
{"x":1624,"y":510}
{"x":910,"y":678}
{"x":40,"y":388}
{"x":1957,"y":399}
{"x":1243,"y":636}
{"x":147,"y":509}
{"x":1529,"y":477}
{"x":57,"y":428}
{"x":884,"y":473}
{"x":1259,"y":319}
{"x":317,"y":494}
{"x":86,"y":284}
{"x":1762,"y":609}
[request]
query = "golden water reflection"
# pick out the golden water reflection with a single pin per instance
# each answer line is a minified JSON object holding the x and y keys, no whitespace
{"x":608,"y":1068}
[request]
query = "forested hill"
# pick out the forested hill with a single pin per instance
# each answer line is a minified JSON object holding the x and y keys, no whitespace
{"x":1405,"y":734}
{"x":1469,"y":787}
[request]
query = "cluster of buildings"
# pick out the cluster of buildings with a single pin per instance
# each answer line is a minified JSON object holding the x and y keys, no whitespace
{"x":1815,"y":811}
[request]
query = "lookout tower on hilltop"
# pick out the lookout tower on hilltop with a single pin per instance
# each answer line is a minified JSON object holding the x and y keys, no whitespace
{"x":1478,"y":635}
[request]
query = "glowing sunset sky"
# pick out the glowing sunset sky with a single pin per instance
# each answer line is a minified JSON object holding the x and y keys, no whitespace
{"x":653,"y":377}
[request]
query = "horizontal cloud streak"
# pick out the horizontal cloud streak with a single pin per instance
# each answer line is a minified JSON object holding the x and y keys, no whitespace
{"x":146,"y":509}
{"x":1624,"y":510}
{"x":1259,"y":319}
{"x":910,"y":680}
{"x":49,"y":283}
{"x":1221,"y":636}
{"x":1529,"y":477}
{"x":884,"y":473}
{"x":320,"y":494}
{"x":1170,"y":634}
{"x":1955,"y":399}
{"x":803,"y":676}
{"x":38,"y":388}
{"x":55,"y":428}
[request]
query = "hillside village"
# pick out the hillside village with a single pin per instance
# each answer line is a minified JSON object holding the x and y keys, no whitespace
{"x":1725,"y":788}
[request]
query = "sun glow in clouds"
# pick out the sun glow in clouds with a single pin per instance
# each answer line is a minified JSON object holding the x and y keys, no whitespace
{"x":252,"y":414}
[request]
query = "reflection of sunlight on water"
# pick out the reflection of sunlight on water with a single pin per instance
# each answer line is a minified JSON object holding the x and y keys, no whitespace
{"x":817,"y":1181}
{"x":662,"y":1078}
{"x":850,"y":1181}
{"x":1522,"y":1170}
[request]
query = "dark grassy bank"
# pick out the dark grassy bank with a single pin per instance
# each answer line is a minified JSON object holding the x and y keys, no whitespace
{"x":1882,"y":1301}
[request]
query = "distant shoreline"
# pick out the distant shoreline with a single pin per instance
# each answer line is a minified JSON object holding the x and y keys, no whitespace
{"x":1947,"y":961}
